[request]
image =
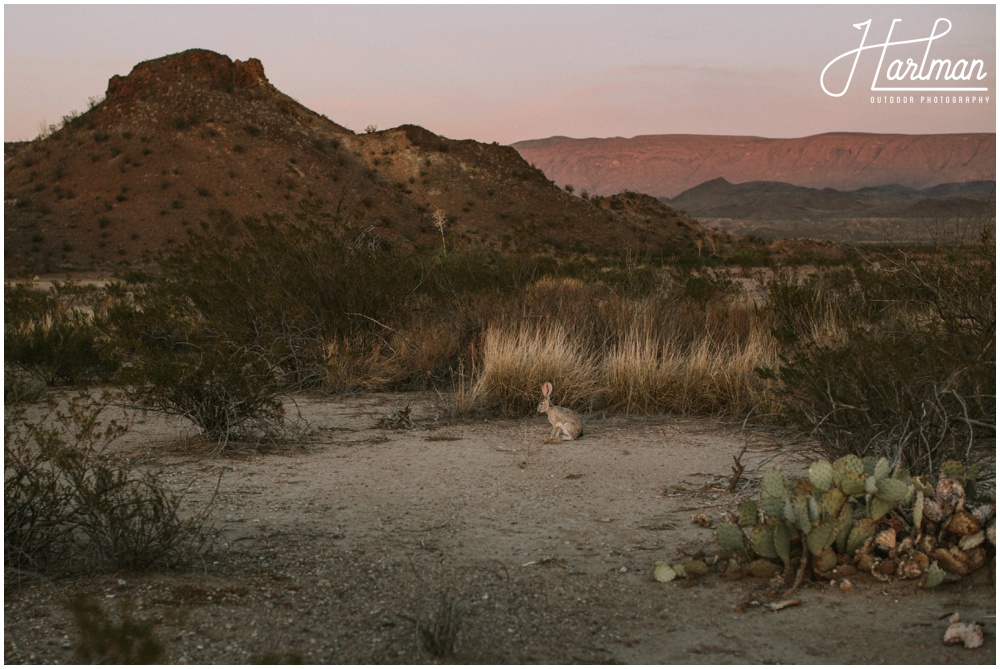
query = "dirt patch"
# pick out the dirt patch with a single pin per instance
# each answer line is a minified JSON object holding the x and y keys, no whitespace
{"x":477,"y":541}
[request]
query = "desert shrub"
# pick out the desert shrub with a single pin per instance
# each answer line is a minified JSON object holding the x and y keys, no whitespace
{"x":255,"y":308}
{"x":71,"y":503}
{"x":748,"y":257}
{"x":911,"y":373}
{"x":284,"y":290}
{"x":48,"y":338}
{"x":228,"y":391}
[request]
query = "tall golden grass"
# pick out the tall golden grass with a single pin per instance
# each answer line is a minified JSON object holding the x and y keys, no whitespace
{"x":627,"y":355}
{"x":514,"y":361}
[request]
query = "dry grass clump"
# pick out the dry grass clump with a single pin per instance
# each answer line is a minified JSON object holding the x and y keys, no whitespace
{"x":515,"y":360}
{"x":624,"y":354}
{"x":643,"y":375}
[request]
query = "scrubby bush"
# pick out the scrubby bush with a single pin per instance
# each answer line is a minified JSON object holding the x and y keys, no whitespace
{"x":228,"y":391}
{"x":71,"y":503}
{"x":286,"y":289}
{"x":904,"y":366}
{"x":251,"y":309}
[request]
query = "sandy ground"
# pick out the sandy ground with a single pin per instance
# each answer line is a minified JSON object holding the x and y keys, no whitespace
{"x":365,"y":544}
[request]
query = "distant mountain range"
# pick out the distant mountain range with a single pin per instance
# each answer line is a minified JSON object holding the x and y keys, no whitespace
{"x":667,"y":165}
{"x":770,"y":200}
{"x":773,"y":210}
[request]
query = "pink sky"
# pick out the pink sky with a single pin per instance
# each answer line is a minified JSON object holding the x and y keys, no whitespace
{"x":511,"y":72}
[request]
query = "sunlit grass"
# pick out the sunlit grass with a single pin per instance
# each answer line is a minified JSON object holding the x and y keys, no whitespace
{"x":651,"y":359}
{"x":515,"y":360}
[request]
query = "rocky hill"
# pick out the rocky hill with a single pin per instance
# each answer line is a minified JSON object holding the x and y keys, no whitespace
{"x":667,"y":165}
{"x":194,"y":136}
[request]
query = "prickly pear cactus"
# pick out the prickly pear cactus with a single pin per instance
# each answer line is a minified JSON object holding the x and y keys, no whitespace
{"x":953,"y":469}
{"x":783,"y":541}
{"x":730,"y":536}
{"x":842,"y":528}
{"x":748,"y":513}
{"x":859,"y":534}
{"x":881,"y":469}
{"x":821,"y":475}
{"x":831,"y":504}
{"x":892,"y":490}
{"x":773,"y":493}
{"x":848,"y":463}
{"x":935,"y":576}
{"x":824,"y":561}
{"x":820,"y":537}
{"x":849,"y":475}
{"x":839,"y":511}
{"x":774,"y":484}
{"x":800,"y":508}
{"x":762,"y":541}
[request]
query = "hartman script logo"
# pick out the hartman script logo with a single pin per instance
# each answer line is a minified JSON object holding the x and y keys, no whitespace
{"x":925,"y":73}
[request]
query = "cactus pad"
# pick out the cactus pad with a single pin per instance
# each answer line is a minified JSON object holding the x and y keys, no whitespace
{"x":859,"y":534}
{"x":842,"y":527}
{"x":773,"y":506}
{"x":831,"y":504}
{"x":695,"y":569}
{"x":871,"y":485}
{"x":881,"y":469}
{"x":892,"y":490}
{"x":762,"y":541}
{"x":820,"y":537}
{"x":730,"y":536}
{"x":800,"y":506}
{"x":935,"y":576}
{"x":814,"y":510}
{"x":773,"y":484}
{"x":824,"y":561}
{"x":853,"y":483}
{"x":848,"y":463}
{"x":821,"y":475}
{"x":748,"y":513}
{"x":663,"y":572}
{"x":880,"y":507}
{"x":783,"y":541}
{"x":953,"y":469}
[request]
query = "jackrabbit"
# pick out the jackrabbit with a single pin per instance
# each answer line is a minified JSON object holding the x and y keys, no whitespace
{"x":566,"y":424}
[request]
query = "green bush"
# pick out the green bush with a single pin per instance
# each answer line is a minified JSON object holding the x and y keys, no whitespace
{"x":251,"y":309}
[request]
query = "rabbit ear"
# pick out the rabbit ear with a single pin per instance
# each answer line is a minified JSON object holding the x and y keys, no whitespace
{"x":547,"y":388}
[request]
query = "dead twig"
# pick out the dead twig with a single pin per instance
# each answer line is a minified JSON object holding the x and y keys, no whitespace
{"x":738,"y":468}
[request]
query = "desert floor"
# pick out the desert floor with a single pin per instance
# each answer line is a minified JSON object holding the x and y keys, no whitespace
{"x":367,"y":544}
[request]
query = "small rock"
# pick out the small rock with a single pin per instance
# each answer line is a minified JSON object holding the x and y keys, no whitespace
{"x":970,"y":634}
